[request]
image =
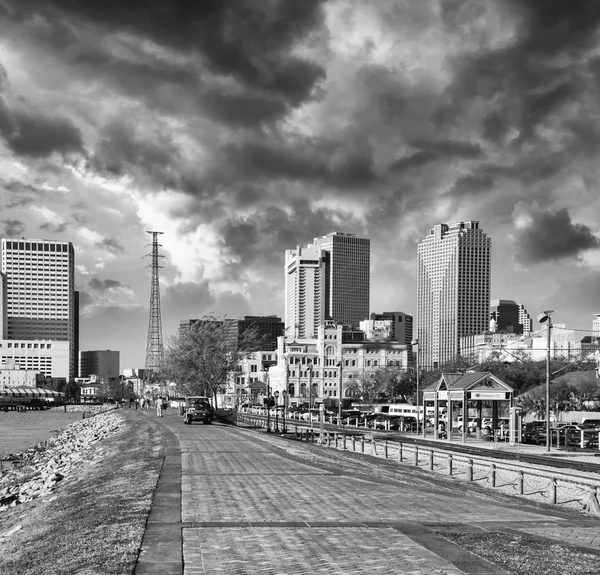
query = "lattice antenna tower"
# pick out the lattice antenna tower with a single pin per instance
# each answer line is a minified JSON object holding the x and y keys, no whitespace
{"x":154,"y":344}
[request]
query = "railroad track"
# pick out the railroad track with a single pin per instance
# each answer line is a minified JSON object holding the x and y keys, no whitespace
{"x":501,"y":455}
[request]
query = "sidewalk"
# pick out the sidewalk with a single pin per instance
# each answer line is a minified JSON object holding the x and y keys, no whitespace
{"x":234,"y":501}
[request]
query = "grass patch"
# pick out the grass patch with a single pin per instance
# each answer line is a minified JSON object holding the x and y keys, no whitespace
{"x":523,"y":555}
{"x":96,"y":521}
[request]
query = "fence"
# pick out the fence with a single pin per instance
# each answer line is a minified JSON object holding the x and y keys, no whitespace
{"x":538,"y":484}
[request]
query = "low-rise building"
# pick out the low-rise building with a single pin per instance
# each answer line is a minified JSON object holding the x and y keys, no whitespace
{"x":11,"y":375}
{"x":310,"y":370}
{"x":50,"y":357}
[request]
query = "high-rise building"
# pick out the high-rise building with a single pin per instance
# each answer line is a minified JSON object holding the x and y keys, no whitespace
{"x":305,"y":291}
{"x":327,"y":280}
{"x":40,"y":294}
{"x":102,"y":363}
{"x":268,"y":328}
{"x":525,"y":320}
{"x":596,"y":326}
{"x":505,"y":314}
{"x":453,"y":289}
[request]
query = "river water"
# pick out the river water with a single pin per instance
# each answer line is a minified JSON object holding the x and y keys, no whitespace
{"x":20,"y":430}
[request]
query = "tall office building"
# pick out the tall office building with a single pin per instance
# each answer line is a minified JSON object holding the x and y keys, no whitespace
{"x":40,"y":294}
{"x":348,"y":277}
{"x":453,"y":289}
{"x":505,"y":314}
{"x":525,"y":320}
{"x":305,"y":291}
{"x":103,"y":363}
{"x":327,"y":280}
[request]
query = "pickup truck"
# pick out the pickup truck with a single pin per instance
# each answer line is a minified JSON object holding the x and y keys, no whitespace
{"x":198,"y":408}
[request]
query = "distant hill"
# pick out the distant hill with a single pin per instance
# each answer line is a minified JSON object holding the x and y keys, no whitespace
{"x":584,"y":384}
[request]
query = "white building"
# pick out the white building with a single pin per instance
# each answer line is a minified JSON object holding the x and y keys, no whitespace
{"x":43,"y":356}
{"x":505,"y":346}
{"x":11,"y":375}
{"x":305,"y":275}
{"x":596,"y":326}
{"x":308,"y":370}
{"x":453,"y":289}
{"x":40,"y":292}
{"x":327,"y":280}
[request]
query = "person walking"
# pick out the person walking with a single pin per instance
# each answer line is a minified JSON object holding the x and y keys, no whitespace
{"x":159,"y":407}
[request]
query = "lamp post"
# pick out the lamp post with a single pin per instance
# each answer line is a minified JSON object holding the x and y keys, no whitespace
{"x":310,"y":397}
{"x":284,"y":395}
{"x":415,"y":344}
{"x":543,"y":317}
{"x":276,"y":394}
{"x":340,"y":424}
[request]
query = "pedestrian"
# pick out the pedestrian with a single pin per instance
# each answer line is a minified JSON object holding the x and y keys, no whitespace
{"x":137,"y":401}
{"x":159,"y":407}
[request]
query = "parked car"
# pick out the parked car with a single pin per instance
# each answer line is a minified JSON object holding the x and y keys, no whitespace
{"x":534,"y":432}
{"x":591,"y":423}
{"x":471,"y":425}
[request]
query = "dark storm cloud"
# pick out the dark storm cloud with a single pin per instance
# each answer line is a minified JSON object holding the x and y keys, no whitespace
{"x":13,"y":228}
{"x":35,"y":134}
{"x":122,"y":148}
{"x":549,"y":235}
{"x":251,"y":239}
{"x":102,"y":286}
{"x":112,"y":245}
{"x":303,"y":159}
{"x":242,"y":39}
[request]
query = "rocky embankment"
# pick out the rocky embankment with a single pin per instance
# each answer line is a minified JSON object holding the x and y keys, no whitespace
{"x":35,"y":473}
{"x":93,"y":409}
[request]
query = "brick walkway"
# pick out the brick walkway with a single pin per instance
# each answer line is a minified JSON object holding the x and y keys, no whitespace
{"x":230,"y":502}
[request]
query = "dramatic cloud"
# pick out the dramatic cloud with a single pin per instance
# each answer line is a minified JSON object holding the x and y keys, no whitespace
{"x":243,"y":128}
{"x":112,"y":245}
{"x":13,"y":228}
{"x":545,"y":235}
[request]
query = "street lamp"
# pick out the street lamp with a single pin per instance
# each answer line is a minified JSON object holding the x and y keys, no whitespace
{"x":276,"y":394}
{"x":543,"y":317}
{"x":284,"y":395}
{"x":415,"y":343}
{"x":340,"y":424}
{"x":310,"y":397}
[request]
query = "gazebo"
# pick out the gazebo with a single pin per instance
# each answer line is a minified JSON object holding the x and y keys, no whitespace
{"x":462,"y":388}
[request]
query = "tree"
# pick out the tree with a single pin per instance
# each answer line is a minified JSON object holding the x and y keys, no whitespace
{"x":202,"y":357}
{"x":367,"y":389}
{"x":72,"y":392}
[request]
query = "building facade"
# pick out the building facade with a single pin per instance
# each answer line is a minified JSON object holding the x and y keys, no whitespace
{"x":306,"y":283}
{"x":268,"y":328}
{"x":505,"y":315}
{"x":327,"y":280}
{"x":596,"y":326}
{"x":44,"y":356}
{"x":40,"y":293}
{"x":105,"y":364}
{"x":453,"y":289}
{"x":312,"y":370}
{"x":348,"y":283}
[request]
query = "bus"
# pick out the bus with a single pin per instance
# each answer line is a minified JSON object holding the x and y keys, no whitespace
{"x":399,"y":409}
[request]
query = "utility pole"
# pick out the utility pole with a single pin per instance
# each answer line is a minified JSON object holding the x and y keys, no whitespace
{"x":154,"y":343}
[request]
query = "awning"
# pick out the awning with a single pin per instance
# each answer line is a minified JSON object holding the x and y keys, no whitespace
{"x":29,"y":392}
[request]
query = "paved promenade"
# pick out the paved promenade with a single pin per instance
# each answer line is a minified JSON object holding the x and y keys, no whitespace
{"x":233,"y":501}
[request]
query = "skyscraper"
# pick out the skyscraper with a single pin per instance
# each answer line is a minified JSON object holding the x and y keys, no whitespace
{"x":327,"y":280}
{"x":305,"y":291}
{"x":348,"y":277}
{"x":596,"y":325}
{"x":453,"y":289}
{"x":40,"y":294}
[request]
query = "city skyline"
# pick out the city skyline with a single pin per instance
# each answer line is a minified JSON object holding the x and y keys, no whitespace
{"x":258,"y":132}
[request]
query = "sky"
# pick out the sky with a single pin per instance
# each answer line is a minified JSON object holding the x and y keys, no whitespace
{"x":241,"y":129}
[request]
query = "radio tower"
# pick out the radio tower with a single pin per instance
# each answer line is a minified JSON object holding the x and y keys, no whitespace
{"x":154,"y":345}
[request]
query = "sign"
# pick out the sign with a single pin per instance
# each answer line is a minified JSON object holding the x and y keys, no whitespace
{"x":487,"y":395}
{"x":442,"y":395}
